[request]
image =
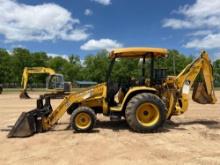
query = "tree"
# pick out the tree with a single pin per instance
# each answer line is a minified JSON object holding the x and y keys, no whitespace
{"x":57,"y":63}
{"x":175,"y":62}
{"x":6,"y":69}
{"x":21,"y":58}
{"x":74,"y":59}
{"x":39,"y":59}
{"x":125,"y":69}
{"x":216,"y":68}
{"x":96,"y":66}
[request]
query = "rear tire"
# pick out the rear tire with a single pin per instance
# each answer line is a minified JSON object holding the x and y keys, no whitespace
{"x":83,"y":119}
{"x":145,"y":112}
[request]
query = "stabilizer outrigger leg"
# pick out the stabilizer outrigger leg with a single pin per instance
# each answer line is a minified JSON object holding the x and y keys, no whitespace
{"x":30,"y":122}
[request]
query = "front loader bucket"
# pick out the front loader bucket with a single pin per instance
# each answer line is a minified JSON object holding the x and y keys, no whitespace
{"x":30,"y":122}
{"x":25,"y":126}
{"x":24,"y":95}
{"x":200,"y":94}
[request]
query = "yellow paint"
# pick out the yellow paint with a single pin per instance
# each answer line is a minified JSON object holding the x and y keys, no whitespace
{"x":83,"y":120}
{"x":147,"y":114}
{"x":138,"y":52}
{"x":187,"y":77}
{"x":137,"y":89}
{"x":34,"y":70}
{"x":89,"y":97}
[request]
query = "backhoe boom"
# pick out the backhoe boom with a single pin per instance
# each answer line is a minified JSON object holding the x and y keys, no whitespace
{"x":203,"y":92}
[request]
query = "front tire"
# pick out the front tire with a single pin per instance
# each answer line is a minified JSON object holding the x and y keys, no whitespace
{"x":145,"y":112}
{"x":83,"y":119}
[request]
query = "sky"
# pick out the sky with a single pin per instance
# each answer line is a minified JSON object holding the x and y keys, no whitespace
{"x":82,"y":27}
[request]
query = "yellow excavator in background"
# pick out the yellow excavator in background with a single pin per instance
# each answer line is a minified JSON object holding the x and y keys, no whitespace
{"x":145,"y":104}
{"x":55,"y":82}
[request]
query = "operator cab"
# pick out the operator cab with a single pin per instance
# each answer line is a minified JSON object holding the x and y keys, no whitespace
{"x":147,"y":71}
{"x":55,"y":81}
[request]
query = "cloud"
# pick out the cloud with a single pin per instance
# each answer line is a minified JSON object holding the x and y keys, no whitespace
{"x":203,"y":18}
{"x":64,"y":56}
{"x":210,"y":41}
{"x":101,"y":44}
{"x":58,"y":55}
{"x":202,"y":14}
{"x":103,"y":2}
{"x":48,"y":21}
{"x":200,"y":33}
{"x":88,"y":12}
{"x":216,"y":56}
{"x":18,"y":46}
{"x":176,"y":23}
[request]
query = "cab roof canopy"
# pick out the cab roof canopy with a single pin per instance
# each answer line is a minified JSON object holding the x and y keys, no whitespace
{"x":138,"y":52}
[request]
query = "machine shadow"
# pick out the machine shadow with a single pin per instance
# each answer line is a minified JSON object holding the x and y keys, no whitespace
{"x":211,"y":124}
{"x":115,"y":126}
{"x":122,"y":125}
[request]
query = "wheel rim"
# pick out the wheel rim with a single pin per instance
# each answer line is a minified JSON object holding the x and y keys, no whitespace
{"x":147,"y":114}
{"x":83,"y":120}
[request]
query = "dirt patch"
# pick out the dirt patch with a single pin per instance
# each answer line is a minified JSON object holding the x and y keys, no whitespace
{"x":193,"y":138}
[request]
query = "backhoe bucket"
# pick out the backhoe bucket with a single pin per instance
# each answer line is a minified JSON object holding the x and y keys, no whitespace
{"x":24,"y":95}
{"x":30,"y":122}
{"x":200,"y":94}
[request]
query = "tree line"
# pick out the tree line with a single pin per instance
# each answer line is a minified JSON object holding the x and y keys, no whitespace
{"x":93,"y":68}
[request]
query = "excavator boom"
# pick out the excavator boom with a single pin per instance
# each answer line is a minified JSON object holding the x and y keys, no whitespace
{"x":25,"y":77}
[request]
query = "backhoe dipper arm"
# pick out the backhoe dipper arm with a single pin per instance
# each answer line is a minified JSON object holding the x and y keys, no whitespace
{"x":186,"y":78}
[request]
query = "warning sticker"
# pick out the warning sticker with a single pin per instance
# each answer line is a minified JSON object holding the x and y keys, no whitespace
{"x":186,"y":88}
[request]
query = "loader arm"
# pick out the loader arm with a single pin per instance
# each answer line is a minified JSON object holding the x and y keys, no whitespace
{"x":44,"y":117}
{"x":203,"y":92}
{"x":90,"y":96}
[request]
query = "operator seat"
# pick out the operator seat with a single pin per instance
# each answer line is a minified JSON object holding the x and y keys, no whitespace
{"x":119,"y":97}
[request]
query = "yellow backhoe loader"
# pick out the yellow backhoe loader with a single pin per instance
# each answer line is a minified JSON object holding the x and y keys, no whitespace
{"x":55,"y":82}
{"x":145,"y":104}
